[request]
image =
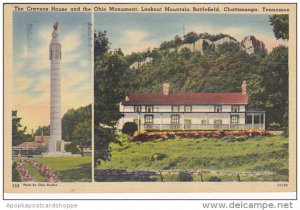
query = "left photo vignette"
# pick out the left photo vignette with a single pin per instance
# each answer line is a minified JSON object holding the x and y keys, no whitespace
{"x":51,"y":83}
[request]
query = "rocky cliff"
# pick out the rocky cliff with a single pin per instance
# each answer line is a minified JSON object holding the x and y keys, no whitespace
{"x":251,"y":45}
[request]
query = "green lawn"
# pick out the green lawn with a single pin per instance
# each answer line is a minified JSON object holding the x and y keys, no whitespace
{"x":256,"y":154}
{"x":36,"y":175}
{"x":70,"y":169}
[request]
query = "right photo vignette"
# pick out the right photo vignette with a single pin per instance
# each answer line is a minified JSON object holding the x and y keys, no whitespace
{"x":181,"y":97}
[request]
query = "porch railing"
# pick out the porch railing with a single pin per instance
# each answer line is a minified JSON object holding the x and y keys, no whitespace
{"x":203,"y":126}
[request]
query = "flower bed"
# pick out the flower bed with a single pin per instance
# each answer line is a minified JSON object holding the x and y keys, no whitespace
{"x":24,"y":173}
{"x":44,"y":170}
{"x":148,"y":136}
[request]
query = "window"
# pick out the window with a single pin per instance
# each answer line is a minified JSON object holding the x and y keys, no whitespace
{"x":235,"y":108}
{"x":137,"y":108}
{"x":149,"y":108}
{"x":218,"y":108}
{"x":148,"y":119}
{"x":203,"y":122}
{"x":234,"y":119}
{"x":188,"y":108}
{"x":218,"y":122}
{"x":175,"y":109}
{"x":175,"y":119}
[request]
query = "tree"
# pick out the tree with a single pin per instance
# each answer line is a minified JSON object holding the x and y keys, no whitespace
{"x":82,"y":135}
{"x":177,"y":40}
{"x":101,"y":43}
{"x":18,"y":133}
{"x":191,"y":37}
{"x":275,"y":94}
{"x":280,"y":25}
{"x":109,"y":70}
{"x":42,"y":130}
{"x":72,"y":117}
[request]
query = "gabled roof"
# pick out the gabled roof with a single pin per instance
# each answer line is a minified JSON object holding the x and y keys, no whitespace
{"x":29,"y":144}
{"x":186,"y":99}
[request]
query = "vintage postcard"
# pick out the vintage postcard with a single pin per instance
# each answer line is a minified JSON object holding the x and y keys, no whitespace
{"x":150,"y":98}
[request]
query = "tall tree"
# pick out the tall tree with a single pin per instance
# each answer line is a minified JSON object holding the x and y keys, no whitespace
{"x":109,"y":71}
{"x":18,"y":131}
{"x":72,"y":117}
{"x":280,"y":25}
{"x":275,"y":95}
{"x":82,"y":135}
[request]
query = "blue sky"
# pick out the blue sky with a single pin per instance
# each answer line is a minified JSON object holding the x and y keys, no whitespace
{"x":137,"y":31}
{"x":31,"y":65}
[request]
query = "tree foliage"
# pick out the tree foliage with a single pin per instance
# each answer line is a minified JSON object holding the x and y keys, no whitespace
{"x":72,"y":118}
{"x":19,"y":134}
{"x":109,"y":71}
{"x":280,"y":25}
{"x":82,"y":135}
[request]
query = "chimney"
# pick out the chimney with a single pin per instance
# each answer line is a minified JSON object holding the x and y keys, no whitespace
{"x":244,"y":88}
{"x":127,"y":98}
{"x":166,"y":88}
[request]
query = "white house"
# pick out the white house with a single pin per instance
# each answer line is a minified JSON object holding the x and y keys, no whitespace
{"x":190,"y":111}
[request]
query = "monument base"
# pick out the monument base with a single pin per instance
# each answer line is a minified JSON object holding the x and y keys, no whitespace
{"x":56,"y":154}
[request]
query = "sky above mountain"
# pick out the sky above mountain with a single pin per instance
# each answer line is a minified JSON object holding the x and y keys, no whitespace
{"x":31,"y":64}
{"x":134,"y":32}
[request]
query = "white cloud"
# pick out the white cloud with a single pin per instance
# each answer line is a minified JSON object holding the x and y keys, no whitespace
{"x":135,"y":35}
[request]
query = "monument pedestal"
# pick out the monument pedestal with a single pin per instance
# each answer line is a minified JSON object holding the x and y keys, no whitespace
{"x":60,"y":150}
{"x":56,"y":154}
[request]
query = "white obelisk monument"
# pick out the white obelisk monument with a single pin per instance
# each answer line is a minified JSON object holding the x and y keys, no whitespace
{"x":55,"y":97}
{"x":55,"y":143}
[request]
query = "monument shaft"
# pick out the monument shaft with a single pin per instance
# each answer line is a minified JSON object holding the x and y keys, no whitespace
{"x":55,"y":92}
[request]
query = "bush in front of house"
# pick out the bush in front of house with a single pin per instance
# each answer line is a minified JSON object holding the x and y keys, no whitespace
{"x":214,"y":179}
{"x":143,"y":135}
{"x":129,"y":128}
{"x":185,"y":176}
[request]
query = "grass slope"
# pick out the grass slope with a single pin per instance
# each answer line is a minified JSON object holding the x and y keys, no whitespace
{"x":36,"y":175}
{"x":256,"y":154}
{"x":70,"y":169}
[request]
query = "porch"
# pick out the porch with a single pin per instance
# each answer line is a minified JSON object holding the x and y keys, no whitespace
{"x":210,"y":121}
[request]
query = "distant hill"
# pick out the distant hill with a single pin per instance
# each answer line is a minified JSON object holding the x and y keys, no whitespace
{"x":196,"y":43}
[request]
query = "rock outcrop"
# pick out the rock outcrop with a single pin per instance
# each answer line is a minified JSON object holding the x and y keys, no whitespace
{"x":221,"y":41}
{"x":251,"y":45}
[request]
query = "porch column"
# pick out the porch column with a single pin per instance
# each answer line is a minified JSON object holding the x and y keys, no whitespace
{"x":229,"y":121}
{"x":252,"y":120}
{"x":264,"y":124}
{"x":139,"y":121}
{"x":161,"y":121}
{"x":206,"y":121}
{"x":183,"y":121}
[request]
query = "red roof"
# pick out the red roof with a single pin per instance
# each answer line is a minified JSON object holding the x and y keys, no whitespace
{"x":186,"y":99}
{"x":29,"y":144}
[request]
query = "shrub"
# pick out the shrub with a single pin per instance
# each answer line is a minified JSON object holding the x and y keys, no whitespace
{"x":243,"y":134}
{"x":123,"y":138}
{"x":158,"y":156}
{"x":214,"y":179}
{"x":72,"y":148}
{"x":15,"y":173}
{"x":185,"y":176}
{"x":129,"y":128}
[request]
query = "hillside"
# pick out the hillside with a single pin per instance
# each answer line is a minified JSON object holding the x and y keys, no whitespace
{"x":221,"y":70}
